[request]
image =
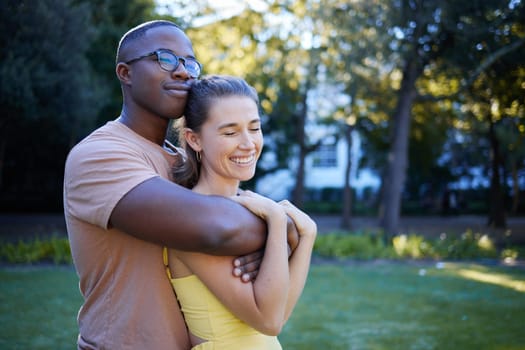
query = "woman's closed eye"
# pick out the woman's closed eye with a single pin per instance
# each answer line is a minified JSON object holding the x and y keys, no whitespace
{"x":229,"y":133}
{"x":255,"y":126}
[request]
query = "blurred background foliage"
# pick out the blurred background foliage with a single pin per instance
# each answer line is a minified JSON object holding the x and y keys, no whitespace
{"x":434,"y":88}
{"x":360,"y":245}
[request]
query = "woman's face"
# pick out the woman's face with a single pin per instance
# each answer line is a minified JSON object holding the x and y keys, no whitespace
{"x":231,"y":140}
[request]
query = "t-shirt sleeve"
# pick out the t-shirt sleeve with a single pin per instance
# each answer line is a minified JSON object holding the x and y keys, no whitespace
{"x":98,"y":174}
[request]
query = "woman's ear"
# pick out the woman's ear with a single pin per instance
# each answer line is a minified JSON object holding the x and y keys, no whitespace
{"x":193,"y":139}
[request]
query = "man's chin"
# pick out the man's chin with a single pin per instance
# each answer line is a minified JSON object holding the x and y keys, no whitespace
{"x":176,"y":114}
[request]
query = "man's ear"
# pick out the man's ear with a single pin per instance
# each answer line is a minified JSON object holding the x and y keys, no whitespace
{"x":123,"y":73}
{"x":193,"y":139}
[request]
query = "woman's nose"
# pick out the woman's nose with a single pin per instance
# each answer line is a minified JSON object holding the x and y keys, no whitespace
{"x":247,"y":140}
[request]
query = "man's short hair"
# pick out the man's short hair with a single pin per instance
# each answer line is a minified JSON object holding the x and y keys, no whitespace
{"x":139,"y":32}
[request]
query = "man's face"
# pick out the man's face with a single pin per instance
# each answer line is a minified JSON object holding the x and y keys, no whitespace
{"x":152,"y":88}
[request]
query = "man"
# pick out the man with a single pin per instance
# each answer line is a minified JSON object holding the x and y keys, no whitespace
{"x":121,"y":207}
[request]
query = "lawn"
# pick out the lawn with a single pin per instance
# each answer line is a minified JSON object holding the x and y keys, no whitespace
{"x":406,"y":306}
{"x":353,"y":305}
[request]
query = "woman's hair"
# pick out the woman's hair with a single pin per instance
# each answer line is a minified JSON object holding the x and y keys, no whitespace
{"x":204,"y":92}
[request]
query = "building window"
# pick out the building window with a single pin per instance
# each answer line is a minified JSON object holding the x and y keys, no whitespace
{"x":325,"y":156}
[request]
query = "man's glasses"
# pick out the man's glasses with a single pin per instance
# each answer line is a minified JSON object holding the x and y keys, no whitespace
{"x":169,"y":62}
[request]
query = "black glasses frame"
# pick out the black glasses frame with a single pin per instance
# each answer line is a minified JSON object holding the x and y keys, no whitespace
{"x":178,"y":60}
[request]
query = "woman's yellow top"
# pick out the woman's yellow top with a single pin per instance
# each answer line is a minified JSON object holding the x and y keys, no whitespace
{"x":207,"y":318}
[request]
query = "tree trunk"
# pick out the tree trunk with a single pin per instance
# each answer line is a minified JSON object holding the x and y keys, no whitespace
{"x":496,"y":202}
{"x":515,"y":189}
{"x":4,"y":129}
{"x":398,"y":155}
{"x":298,"y":193}
{"x":3,"y":144}
{"x":347,"y":190}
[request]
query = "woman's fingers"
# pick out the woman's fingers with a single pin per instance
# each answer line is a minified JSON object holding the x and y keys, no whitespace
{"x":303,"y":222}
{"x":259,"y":205}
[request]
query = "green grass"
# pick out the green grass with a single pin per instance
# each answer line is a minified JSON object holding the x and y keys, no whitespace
{"x":373,"y":305}
{"x":402,"y":306}
{"x":38,"y":307}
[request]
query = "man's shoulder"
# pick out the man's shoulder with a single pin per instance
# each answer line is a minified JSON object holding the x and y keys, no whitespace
{"x":111,"y":131}
{"x":109,"y":135}
{"x":106,"y":142}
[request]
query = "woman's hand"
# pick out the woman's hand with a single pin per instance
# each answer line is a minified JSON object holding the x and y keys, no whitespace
{"x":263,"y":207}
{"x":304,"y":224}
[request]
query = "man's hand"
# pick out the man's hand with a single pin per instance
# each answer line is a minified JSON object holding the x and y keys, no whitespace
{"x":247,"y":266}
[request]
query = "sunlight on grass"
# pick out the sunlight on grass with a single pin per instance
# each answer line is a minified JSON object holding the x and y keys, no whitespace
{"x":506,"y":277}
{"x":494,"y":278}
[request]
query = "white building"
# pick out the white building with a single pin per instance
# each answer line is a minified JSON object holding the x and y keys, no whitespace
{"x":324,"y":168}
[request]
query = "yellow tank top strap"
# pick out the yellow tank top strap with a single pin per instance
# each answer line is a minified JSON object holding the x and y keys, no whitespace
{"x":166,"y":262}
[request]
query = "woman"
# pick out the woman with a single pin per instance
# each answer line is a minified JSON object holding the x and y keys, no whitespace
{"x":223,"y":141}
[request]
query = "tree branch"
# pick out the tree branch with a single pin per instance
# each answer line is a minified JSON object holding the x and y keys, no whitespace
{"x":491,"y":59}
{"x":485,"y":64}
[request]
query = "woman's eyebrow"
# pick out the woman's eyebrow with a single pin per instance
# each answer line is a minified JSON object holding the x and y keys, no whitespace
{"x":227,"y":125}
{"x":231,"y":125}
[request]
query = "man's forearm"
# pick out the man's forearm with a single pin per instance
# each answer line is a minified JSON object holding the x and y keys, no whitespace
{"x":161,"y":212}
{"x":236,"y":231}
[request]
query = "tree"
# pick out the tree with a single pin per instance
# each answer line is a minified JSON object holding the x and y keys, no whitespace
{"x":356,"y":45}
{"x":46,"y":91}
{"x":406,"y":64}
{"x":57,"y":73}
{"x":277,"y":62}
{"x":110,"y":20}
{"x":432,"y":34}
{"x":495,"y":36}
{"x":495,"y":105}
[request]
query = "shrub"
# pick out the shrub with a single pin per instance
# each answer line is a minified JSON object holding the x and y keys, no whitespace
{"x":372,"y":246}
{"x":360,"y":246}
{"x":467,"y":246}
{"x":413,"y":246}
{"x":54,"y":249}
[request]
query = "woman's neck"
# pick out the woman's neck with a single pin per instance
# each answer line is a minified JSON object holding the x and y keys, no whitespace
{"x":219,"y":188}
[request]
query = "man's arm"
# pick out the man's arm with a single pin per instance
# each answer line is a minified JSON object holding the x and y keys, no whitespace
{"x":162,"y":212}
